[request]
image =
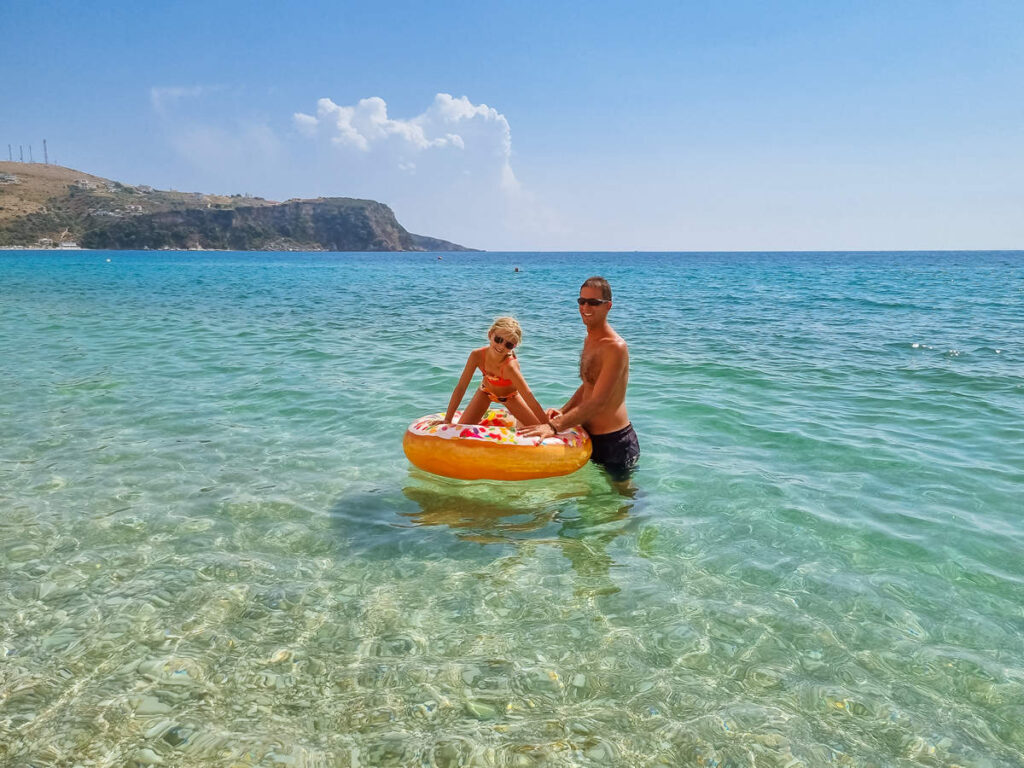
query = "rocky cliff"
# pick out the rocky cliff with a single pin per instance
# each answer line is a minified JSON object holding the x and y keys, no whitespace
{"x":325,"y":224}
{"x":42,"y":204}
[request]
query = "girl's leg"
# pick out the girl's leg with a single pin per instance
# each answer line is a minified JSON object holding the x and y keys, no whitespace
{"x":476,"y":409}
{"x":521,"y":411}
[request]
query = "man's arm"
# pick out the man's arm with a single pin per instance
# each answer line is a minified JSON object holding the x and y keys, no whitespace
{"x":573,"y":402}
{"x":614,"y":364}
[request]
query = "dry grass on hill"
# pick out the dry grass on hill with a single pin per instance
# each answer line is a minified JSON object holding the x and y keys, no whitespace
{"x":35,"y":184}
{"x":28,"y":188}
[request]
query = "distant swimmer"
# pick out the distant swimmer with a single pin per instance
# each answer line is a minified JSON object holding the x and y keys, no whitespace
{"x":600,"y":402}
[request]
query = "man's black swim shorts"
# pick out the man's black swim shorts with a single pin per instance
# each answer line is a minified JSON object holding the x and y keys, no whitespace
{"x":617,"y":452}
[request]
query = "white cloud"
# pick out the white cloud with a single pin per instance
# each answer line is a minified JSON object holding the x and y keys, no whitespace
{"x":223,"y":150}
{"x":223,"y":146}
{"x":164,"y":98}
{"x":306,"y":124}
{"x":446,"y":172}
{"x":448,"y":123}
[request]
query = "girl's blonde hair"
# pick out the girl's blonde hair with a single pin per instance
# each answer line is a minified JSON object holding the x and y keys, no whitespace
{"x":510,"y":328}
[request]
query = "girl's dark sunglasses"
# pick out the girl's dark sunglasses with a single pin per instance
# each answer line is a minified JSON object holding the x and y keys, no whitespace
{"x":592,"y":302}
{"x":508,"y":344}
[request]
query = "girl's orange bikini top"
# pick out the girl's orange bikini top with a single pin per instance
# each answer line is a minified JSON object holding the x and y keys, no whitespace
{"x":497,"y":381}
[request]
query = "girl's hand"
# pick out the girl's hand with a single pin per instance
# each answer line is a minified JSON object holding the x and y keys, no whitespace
{"x":552,"y":413}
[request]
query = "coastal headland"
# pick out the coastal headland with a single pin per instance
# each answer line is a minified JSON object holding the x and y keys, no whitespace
{"x":47,"y":206}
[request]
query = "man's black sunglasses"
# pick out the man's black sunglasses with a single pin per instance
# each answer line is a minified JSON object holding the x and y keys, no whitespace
{"x":592,"y":302}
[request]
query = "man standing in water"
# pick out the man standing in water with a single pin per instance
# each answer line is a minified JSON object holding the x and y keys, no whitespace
{"x":600,"y":402}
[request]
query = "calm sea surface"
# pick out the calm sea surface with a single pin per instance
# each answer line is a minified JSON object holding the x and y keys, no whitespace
{"x":214,"y":552}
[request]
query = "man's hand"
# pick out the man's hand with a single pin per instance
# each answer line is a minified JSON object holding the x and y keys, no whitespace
{"x":538,"y":430}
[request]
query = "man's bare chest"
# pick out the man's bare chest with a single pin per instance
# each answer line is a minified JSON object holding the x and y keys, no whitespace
{"x":590,"y":366}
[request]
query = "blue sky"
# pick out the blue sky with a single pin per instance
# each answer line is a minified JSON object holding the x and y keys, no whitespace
{"x":551,"y":126}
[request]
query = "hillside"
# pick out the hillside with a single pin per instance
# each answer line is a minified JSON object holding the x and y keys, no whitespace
{"x":47,"y":204}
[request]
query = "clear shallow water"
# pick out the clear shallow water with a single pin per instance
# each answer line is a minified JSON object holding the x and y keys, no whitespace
{"x":214,"y":551}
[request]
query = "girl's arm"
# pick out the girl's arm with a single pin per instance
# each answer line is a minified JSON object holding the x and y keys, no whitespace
{"x":531,"y":402}
{"x":460,"y":388}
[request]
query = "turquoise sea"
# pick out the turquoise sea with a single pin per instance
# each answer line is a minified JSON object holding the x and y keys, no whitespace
{"x":214,"y":552}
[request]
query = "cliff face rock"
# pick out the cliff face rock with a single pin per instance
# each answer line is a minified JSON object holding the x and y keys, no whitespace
{"x":42,"y":204}
{"x":324,"y":224}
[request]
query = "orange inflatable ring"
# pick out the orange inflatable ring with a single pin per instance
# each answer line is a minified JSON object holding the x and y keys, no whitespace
{"x":492,"y":450}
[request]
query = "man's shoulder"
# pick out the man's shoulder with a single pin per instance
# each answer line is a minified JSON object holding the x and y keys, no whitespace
{"x":609,"y":347}
{"x":613,"y":342}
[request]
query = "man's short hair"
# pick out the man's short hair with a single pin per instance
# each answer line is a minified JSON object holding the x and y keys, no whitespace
{"x":601,"y":284}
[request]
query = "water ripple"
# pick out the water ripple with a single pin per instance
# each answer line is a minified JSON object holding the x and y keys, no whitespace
{"x":213,"y":550}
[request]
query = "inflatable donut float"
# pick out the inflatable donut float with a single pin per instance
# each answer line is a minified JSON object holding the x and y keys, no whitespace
{"x":492,"y":449}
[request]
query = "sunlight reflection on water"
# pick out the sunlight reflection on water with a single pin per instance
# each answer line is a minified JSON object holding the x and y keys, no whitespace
{"x":214,"y":551}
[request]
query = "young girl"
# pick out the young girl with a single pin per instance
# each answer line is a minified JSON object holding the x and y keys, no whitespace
{"x":502,"y":382}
